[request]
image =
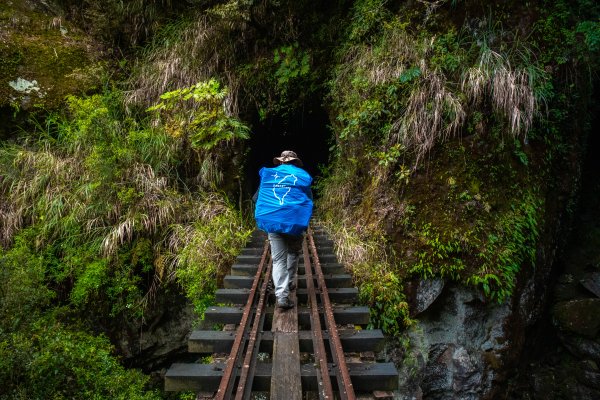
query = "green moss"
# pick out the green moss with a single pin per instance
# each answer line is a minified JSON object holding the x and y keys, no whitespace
{"x":468,"y":209}
{"x":45,"y":48}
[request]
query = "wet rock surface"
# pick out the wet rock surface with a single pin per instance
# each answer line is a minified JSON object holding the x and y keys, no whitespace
{"x":591,"y":282}
{"x":564,"y":350}
{"x":423,"y":293}
{"x":162,"y":338}
{"x":581,"y":316}
{"x":581,"y":348}
{"x":455,"y":348}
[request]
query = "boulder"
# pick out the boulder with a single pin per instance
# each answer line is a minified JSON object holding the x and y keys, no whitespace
{"x":581,"y":316}
{"x":591,"y":282}
{"x":580,"y":347}
{"x":423,"y":293}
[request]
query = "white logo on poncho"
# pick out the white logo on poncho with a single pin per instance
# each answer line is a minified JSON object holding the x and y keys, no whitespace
{"x":284,"y":189}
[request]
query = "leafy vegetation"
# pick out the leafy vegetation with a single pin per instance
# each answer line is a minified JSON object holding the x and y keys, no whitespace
{"x":452,"y":126}
{"x":98,"y":222}
{"x":467,"y":210}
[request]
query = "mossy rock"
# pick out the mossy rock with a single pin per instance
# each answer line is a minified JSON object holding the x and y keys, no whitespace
{"x":579,"y":316}
{"x":43,"y":57}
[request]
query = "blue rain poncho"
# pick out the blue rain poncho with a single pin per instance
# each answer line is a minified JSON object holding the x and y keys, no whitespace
{"x":284,"y":203}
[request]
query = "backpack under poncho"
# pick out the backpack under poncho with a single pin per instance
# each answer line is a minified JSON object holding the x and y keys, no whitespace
{"x":284,"y":202}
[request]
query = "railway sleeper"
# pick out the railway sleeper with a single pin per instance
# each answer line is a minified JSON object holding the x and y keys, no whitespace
{"x":255,"y":259}
{"x":250,"y":269}
{"x":208,"y":342}
{"x":358,"y":315}
{"x":366,"y":377}
{"x":240,"y":296}
{"x":245,"y":282}
{"x":258,"y":248}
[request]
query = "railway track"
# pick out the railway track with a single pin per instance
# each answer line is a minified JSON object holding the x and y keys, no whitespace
{"x":316,"y":350}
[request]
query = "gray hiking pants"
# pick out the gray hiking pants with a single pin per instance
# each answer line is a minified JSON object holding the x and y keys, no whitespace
{"x":285,"y":250}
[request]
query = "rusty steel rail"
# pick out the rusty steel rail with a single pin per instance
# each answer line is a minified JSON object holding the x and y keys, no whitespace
{"x":346,"y":390}
{"x":247,"y":374}
{"x":325,"y":388}
{"x":247,"y":338}
{"x":228,"y":379}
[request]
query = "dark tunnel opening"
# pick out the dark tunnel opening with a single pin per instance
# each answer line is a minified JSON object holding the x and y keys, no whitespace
{"x":306,"y":132}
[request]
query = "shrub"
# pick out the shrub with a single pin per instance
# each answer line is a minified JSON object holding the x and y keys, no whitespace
{"x":51,"y":361}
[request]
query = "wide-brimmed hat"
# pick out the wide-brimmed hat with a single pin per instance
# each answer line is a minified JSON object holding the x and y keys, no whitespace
{"x":288,"y":156}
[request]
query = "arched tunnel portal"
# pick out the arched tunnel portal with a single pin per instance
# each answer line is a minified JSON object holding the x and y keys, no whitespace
{"x":306,"y":132}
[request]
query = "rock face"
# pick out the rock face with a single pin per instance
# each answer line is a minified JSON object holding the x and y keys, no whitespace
{"x":544,"y":343}
{"x":163,"y":336}
{"x":564,"y":355}
{"x":43,"y":57}
{"x":467,"y":347}
{"x":455,"y":348}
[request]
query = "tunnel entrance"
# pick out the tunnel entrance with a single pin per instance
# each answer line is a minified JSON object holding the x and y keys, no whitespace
{"x":306,"y":132}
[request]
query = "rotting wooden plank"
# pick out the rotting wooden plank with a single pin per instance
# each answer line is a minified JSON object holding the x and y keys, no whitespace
{"x":286,"y":381}
{"x":286,"y":320}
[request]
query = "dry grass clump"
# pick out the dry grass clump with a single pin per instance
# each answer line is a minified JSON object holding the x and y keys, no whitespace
{"x":35,"y":188}
{"x":156,"y":207}
{"x":64,"y":198}
{"x":509,"y":89}
{"x":384,"y":64}
{"x":353,"y":251}
{"x":433,"y":111}
{"x":435,"y":105}
{"x":433,"y":114}
{"x":195,"y":250}
{"x":188,"y":52}
{"x":46,"y":186}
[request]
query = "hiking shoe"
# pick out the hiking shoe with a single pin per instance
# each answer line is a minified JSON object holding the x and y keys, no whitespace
{"x":292,"y":285}
{"x":270,"y":286}
{"x":285,"y":303}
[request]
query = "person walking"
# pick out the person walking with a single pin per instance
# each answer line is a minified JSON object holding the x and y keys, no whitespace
{"x":284,"y":205}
